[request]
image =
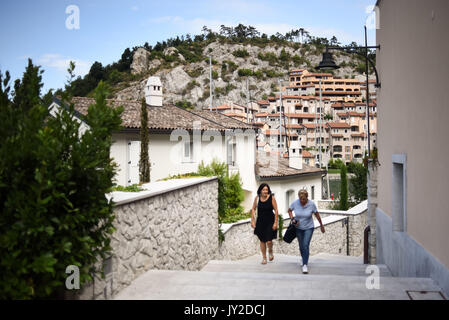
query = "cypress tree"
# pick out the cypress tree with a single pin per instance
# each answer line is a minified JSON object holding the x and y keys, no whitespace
{"x":144,"y":164}
{"x":344,"y":188}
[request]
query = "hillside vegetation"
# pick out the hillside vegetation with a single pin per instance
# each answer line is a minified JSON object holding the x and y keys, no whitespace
{"x":240,"y":55}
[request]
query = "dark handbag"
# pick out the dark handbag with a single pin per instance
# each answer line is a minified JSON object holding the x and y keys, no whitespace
{"x":290,"y":234}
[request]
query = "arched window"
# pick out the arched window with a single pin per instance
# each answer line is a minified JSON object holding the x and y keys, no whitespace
{"x":289,"y":197}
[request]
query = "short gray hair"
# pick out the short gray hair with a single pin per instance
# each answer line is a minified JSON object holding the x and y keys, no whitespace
{"x":303,"y":192}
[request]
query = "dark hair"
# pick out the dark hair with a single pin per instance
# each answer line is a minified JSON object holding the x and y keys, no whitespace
{"x":263,"y":185}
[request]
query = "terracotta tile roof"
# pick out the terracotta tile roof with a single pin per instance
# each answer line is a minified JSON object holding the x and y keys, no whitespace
{"x":312,"y":125}
{"x":219,"y":118}
{"x":294,"y":126}
{"x":167,"y":117}
{"x":337,"y":135}
{"x":259,"y":124}
{"x":307,"y":154}
{"x":300,"y":115}
{"x":265,"y":167}
{"x":342,"y":92}
{"x":297,"y":97}
{"x":262,"y":114}
{"x":233,"y":114}
{"x":364,"y":104}
{"x":358,"y":134}
{"x":314,"y":74}
{"x":294,"y":134}
{"x":263,"y":102}
{"x":338,"y":125}
{"x":222,"y":107}
{"x":273,"y":133}
{"x":301,"y":86}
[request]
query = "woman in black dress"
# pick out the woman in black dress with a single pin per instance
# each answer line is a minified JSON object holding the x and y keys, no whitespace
{"x":266,"y":225}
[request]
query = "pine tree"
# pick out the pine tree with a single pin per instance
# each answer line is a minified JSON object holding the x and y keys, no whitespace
{"x":144,"y":164}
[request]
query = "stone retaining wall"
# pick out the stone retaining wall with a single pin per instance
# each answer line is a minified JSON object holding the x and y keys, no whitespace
{"x":240,"y":241}
{"x":173,"y":230}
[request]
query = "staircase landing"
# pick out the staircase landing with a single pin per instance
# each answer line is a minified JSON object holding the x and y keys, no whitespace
{"x":330,"y":277}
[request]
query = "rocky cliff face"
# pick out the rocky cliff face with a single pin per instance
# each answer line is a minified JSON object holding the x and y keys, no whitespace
{"x":185,"y":81}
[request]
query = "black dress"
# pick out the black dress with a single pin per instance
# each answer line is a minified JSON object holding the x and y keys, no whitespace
{"x":265,"y":220}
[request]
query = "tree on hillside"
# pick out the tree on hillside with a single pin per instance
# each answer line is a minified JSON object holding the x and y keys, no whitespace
{"x":124,"y":63}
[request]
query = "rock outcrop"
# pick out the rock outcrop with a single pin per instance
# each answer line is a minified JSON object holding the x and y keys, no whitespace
{"x":190,"y":81}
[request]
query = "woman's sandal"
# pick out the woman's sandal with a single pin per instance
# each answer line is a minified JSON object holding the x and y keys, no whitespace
{"x":271,"y":256}
{"x":264,"y":261}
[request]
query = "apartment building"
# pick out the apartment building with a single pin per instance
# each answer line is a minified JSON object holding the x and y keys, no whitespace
{"x":345,"y":89}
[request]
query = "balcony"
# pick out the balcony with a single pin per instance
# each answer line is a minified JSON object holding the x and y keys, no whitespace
{"x":337,"y":156}
{"x":337,"y":149}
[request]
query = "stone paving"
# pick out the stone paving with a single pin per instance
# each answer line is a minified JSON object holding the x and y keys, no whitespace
{"x":331,"y":277}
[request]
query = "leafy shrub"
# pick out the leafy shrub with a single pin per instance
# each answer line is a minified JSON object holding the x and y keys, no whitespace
{"x":230,"y":66}
{"x":131,"y":188}
{"x":284,"y":56}
{"x":269,"y":56}
{"x":245,"y":72}
{"x":195,"y":73}
{"x":184,"y":104}
{"x":240,"y":53}
{"x":53,"y":182}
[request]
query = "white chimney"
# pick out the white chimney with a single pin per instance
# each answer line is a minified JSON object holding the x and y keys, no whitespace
{"x":295,"y":155}
{"x":153,"y":92}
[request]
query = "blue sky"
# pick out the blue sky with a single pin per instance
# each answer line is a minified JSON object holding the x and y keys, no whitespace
{"x":37,"y":29}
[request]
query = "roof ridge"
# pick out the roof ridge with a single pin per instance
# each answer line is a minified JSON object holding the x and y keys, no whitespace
{"x":225,"y":116}
{"x":200,"y":116}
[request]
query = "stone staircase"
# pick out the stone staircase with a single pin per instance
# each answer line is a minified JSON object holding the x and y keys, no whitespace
{"x":330,"y":277}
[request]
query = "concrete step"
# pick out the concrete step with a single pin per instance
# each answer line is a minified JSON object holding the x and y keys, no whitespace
{"x":318,"y":264}
{"x":322,"y":258}
{"x":295,"y":268}
{"x":197,"y":285}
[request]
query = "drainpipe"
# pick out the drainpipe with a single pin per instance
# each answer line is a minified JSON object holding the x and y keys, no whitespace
{"x":372,"y":206}
{"x":366,"y":233}
{"x":347,"y":236}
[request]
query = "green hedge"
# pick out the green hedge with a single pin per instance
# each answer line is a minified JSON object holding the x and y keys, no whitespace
{"x":53,"y":181}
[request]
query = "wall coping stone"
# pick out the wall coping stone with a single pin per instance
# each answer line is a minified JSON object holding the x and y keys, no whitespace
{"x":356,"y":210}
{"x":155,"y":188}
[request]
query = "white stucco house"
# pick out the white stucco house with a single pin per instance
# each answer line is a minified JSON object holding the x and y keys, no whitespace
{"x":180,"y":139}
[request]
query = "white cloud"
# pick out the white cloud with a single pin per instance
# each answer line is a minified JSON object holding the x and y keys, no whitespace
{"x":57,"y":61}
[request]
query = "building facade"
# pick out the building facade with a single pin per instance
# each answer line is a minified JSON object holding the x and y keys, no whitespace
{"x":413,"y":214}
